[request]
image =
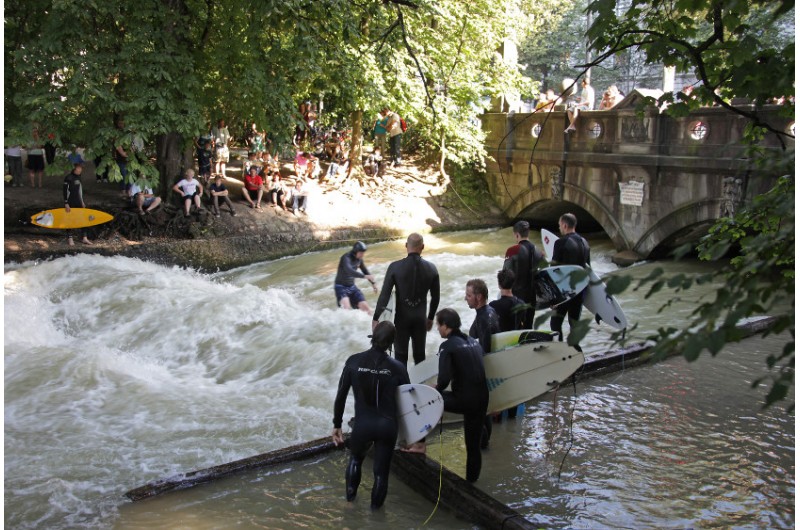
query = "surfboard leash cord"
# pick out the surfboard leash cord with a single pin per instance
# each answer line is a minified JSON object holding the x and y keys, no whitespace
{"x":441,"y":472}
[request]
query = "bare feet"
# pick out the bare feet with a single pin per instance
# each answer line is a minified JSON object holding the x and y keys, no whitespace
{"x":418,"y":447}
{"x":70,"y":241}
{"x":86,"y":241}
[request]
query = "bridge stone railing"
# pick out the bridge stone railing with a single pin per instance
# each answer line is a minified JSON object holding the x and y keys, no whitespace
{"x":646,"y":178}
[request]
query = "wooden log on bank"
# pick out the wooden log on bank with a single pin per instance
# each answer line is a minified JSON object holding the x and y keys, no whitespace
{"x":193,"y":478}
{"x":459,"y":496}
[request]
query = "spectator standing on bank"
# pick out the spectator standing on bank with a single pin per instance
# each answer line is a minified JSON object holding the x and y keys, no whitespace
{"x":73,"y":196}
{"x":395,"y":132}
{"x":222,"y":138}
{"x":14,"y":160}
{"x":379,"y":129}
{"x":36,"y":158}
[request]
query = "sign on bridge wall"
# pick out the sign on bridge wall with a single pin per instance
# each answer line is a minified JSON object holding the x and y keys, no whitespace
{"x":631,"y":193}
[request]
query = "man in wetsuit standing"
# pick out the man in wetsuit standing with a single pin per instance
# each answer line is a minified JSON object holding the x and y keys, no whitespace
{"x":412,"y":278}
{"x":570,"y":249}
{"x":523,"y":259}
{"x":351,"y":266}
{"x":374,"y":377}
{"x":486,"y":322}
{"x":461,"y":367}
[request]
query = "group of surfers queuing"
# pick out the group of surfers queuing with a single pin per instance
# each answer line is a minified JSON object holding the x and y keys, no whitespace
{"x":374,"y":374}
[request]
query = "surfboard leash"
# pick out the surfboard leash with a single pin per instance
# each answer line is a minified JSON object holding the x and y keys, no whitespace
{"x":571,"y":440}
{"x":441,"y":471}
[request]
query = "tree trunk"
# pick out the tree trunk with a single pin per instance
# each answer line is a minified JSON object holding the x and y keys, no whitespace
{"x":356,"y":139}
{"x":171,"y":160}
{"x":444,"y":178}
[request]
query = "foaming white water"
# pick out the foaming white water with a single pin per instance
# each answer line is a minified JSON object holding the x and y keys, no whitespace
{"x":118,"y":371}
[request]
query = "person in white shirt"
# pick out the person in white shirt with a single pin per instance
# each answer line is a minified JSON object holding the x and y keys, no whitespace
{"x":586,"y":102}
{"x":143,"y":198}
{"x":190,"y":190}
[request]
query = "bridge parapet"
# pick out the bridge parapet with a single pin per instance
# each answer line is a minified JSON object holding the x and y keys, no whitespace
{"x":649,"y":180}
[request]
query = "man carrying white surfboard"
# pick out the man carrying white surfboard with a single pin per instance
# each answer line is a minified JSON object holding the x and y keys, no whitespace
{"x":73,"y":196}
{"x":374,"y":377}
{"x":523,"y":260}
{"x":569,"y":249}
{"x":461,"y":368}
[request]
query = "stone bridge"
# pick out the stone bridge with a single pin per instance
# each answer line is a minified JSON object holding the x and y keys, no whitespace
{"x":650,"y":181}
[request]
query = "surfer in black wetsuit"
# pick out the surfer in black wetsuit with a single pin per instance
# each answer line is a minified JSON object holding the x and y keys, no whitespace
{"x":569,"y":249}
{"x":461,"y":367}
{"x":351,"y":266}
{"x":486,"y":324}
{"x":73,"y":196}
{"x":374,"y":377}
{"x":412,"y":278}
{"x":523,"y":260}
{"x":508,"y":307}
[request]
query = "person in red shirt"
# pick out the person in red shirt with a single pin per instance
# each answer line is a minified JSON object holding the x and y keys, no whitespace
{"x":253,"y":188}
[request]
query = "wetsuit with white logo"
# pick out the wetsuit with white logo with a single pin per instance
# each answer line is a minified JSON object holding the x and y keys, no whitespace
{"x":374,"y":377}
{"x":413,"y":278}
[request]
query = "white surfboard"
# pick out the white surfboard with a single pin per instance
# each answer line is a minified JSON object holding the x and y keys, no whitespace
{"x":603,"y":305}
{"x":387,"y":315}
{"x":556,"y":285}
{"x":506,"y":339}
{"x":419,"y":409}
{"x":516,"y":374}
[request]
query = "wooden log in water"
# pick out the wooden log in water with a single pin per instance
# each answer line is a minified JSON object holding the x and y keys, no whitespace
{"x":193,"y":478}
{"x":403,"y":463}
{"x":459,"y":496}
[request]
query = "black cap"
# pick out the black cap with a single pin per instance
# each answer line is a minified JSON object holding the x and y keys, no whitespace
{"x":360,"y":247}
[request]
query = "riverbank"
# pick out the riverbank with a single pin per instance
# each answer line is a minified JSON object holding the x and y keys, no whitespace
{"x":408,"y":199}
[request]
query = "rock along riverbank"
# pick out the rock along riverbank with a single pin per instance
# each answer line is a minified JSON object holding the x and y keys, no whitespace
{"x":408,"y":199}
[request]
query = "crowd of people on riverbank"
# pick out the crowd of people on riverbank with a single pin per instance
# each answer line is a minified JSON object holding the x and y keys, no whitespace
{"x":374,"y":374}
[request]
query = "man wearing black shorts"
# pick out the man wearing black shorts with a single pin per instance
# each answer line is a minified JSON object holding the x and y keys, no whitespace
{"x":351,"y":266}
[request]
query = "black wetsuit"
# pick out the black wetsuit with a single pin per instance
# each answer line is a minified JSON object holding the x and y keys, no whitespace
{"x":350,"y":268}
{"x":509,"y":319}
{"x":461,"y":363}
{"x":73,"y":196}
{"x":486,"y":324}
{"x":374,"y":377}
{"x":571,"y":249}
{"x":412,"y":278}
{"x":523,"y":264}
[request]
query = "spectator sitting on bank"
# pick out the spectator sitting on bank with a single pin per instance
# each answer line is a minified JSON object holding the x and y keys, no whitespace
{"x":299,"y":197}
{"x":548,"y":101}
{"x":143,"y":198}
{"x":190,"y":190}
{"x":302,"y":164}
{"x":250,"y":162}
{"x":611,"y":98}
{"x":373,"y":166}
{"x":253,"y":188}
{"x":218,"y":193}
{"x":278,"y":194}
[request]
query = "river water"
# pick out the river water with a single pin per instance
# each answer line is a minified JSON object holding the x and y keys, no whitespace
{"x":119,"y":372}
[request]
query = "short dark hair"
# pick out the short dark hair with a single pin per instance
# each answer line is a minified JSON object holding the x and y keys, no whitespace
{"x":522,"y":228}
{"x":478,"y":286}
{"x":505,"y":278}
{"x":383,"y":335}
{"x":449,"y":318}
{"x":569,"y":219}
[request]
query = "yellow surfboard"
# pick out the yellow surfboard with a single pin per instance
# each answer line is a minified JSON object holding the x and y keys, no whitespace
{"x":76,"y":218}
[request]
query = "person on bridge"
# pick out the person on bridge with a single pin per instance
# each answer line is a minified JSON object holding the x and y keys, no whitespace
{"x":586,"y":102}
{"x":351,"y":266}
{"x":374,"y":377}
{"x":570,"y":249}
{"x":412,"y":278}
